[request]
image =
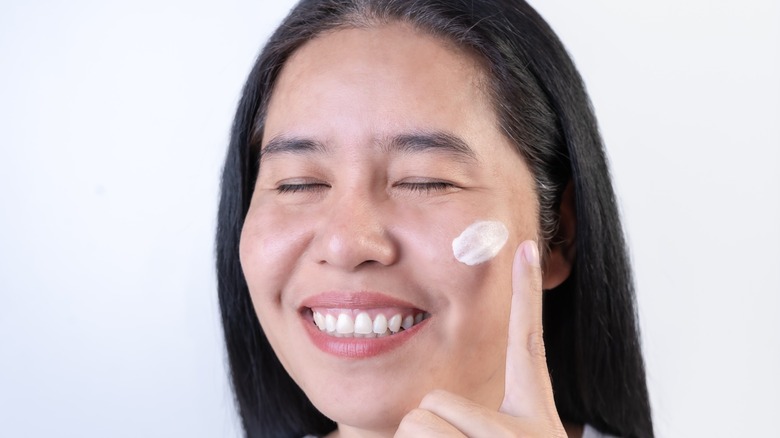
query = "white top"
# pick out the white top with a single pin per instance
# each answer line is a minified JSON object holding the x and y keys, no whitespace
{"x":590,"y":432}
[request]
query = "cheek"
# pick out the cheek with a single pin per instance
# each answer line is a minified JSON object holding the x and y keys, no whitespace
{"x":485,"y":289}
{"x":271,"y":246}
{"x":479,"y":298}
{"x":487,"y":266}
{"x":475,"y":298}
{"x":472,"y":327}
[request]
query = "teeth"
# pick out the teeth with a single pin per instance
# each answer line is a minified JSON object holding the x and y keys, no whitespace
{"x":395,"y":323}
{"x":363,"y":324}
{"x":380,"y":324}
{"x":344,"y":324}
{"x":330,"y":323}
{"x":362,"y":327}
{"x":319,"y":320}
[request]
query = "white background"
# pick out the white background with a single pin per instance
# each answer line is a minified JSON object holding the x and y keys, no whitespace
{"x":114,"y":118}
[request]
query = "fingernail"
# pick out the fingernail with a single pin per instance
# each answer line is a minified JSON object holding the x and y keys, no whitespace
{"x":531,"y":252}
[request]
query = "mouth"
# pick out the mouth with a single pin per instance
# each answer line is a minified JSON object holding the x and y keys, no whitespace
{"x":360,"y":325}
{"x":366,"y":323}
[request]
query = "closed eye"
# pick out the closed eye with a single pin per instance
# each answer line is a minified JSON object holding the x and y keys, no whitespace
{"x":296,"y":188}
{"x":417,"y":187}
{"x":427,"y":187}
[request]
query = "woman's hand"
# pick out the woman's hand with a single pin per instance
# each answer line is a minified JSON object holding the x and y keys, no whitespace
{"x":528,"y":408}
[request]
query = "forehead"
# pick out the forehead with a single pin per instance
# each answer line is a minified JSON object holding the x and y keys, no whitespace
{"x":370,"y":83}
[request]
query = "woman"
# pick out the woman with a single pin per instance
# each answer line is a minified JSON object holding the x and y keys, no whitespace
{"x":403,"y":181}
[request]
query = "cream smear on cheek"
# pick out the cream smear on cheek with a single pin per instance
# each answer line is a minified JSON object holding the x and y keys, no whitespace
{"x":480,"y":242}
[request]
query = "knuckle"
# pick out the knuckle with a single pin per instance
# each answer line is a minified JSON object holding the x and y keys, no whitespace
{"x":438,"y":397}
{"x":434,"y":397}
{"x":417,"y":417}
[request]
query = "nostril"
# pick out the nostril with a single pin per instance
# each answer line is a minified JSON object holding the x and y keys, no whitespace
{"x":357,"y":247}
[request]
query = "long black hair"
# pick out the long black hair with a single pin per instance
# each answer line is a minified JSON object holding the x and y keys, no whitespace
{"x":590,"y":324}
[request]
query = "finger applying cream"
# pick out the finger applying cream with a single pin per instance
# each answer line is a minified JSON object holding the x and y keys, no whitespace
{"x":480,"y":242}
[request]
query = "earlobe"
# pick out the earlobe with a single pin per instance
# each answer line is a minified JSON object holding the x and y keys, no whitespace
{"x":557,"y":265}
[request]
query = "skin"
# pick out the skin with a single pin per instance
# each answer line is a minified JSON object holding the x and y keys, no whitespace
{"x":356,"y":214}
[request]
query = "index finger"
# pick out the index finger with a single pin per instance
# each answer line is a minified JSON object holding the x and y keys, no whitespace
{"x":527,"y":388}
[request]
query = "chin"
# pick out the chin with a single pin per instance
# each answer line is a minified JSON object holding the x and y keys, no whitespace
{"x":371,"y":414}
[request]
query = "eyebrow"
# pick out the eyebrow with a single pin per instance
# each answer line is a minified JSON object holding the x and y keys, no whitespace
{"x":287,"y":145}
{"x":418,"y":142}
{"x":432,"y":141}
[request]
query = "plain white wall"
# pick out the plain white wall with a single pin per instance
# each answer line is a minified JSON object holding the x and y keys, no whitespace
{"x":114,"y":118}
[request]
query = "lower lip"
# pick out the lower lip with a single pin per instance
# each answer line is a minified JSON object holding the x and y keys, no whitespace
{"x":359,"y":348}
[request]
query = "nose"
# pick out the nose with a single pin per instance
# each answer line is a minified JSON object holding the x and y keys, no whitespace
{"x":354,"y":234}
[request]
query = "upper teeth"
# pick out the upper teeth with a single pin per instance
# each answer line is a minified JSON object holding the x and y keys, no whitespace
{"x":343,"y":325}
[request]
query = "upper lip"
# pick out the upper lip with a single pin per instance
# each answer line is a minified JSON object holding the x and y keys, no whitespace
{"x":355,"y":300}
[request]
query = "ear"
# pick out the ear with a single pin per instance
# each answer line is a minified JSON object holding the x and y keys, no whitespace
{"x":563,"y":248}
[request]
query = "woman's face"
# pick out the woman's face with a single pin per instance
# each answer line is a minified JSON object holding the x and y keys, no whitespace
{"x":379,"y":148}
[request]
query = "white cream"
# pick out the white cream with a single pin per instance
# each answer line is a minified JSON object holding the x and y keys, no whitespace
{"x":480,"y":242}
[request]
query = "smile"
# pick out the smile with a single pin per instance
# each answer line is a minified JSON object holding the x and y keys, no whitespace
{"x":368,"y":323}
{"x":358,"y":325}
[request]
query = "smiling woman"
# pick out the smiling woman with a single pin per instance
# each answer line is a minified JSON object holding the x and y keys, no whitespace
{"x":374,"y":141}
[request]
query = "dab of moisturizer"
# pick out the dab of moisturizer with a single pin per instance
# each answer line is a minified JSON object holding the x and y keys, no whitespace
{"x":480,"y":242}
